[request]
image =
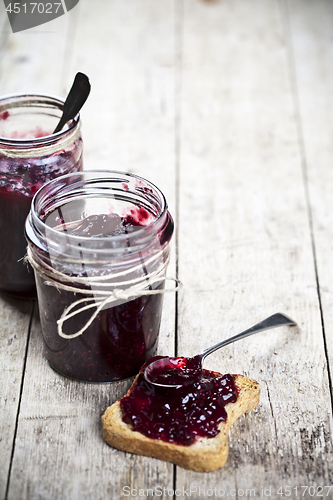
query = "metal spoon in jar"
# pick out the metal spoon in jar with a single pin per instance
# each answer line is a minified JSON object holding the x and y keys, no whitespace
{"x":177,"y":372}
{"x":76,"y":98}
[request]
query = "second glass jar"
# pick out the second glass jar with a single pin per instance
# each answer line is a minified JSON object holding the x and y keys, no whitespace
{"x":30,"y":155}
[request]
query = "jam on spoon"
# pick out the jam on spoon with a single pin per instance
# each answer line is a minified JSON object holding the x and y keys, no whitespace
{"x":177,"y":372}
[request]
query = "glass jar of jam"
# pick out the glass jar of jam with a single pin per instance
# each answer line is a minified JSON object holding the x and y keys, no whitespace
{"x":30,"y":155}
{"x":99,"y":243}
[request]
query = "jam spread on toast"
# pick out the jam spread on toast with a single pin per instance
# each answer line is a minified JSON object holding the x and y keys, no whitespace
{"x":179,"y":415}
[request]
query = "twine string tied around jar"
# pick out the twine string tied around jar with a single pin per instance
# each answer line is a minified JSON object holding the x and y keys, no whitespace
{"x":128,"y":289}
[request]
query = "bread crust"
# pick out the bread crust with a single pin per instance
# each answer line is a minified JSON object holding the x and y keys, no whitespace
{"x":204,"y":455}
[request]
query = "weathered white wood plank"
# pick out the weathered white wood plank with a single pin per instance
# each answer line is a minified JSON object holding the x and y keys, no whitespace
{"x":128,"y":120}
{"x":59,"y":451}
{"x":245,"y":244}
{"x":36,"y":60}
{"x":31,"y":61}
{"x":311,"y":38}
{"x":128,"y":52}
{"x":128,"y":124}
{"x":14,"y":329}
{"x":4,"y":32}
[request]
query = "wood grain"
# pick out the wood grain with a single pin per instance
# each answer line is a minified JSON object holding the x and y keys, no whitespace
{"x":244,"y":222}
{"x":59,"y":450}
{"x":226,"y":106}
{"x":4,"y":32}
{"x":312,"y":52}
{"x":14,"y":334}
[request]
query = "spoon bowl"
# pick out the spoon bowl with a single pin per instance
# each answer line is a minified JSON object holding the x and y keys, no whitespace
{"x":174,"y":373}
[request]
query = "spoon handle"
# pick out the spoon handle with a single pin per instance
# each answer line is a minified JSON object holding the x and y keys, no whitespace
{"x":77,"y":96}
{"x":277,"y":319}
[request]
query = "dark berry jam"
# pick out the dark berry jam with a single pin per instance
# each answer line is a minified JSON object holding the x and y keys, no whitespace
{"x":180,"y":415}
{"x":20,"y":179}
{"x":4,"y":115}
{"x":98,"y":225}
{"x":122,"y":337}
{"x":113,"y":347}
{"x":175,"y":371}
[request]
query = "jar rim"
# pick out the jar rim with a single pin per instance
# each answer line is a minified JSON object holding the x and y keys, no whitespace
{"x":135,"y":238}
{"x":57,"y":101}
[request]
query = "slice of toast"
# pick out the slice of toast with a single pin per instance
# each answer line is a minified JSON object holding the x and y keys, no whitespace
{"x":204,"y":455}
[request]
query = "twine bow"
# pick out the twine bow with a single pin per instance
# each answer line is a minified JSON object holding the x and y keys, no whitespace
{"x":126,"y":289}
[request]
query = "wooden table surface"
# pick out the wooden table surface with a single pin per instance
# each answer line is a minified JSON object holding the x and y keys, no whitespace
{"x":227,"y":106}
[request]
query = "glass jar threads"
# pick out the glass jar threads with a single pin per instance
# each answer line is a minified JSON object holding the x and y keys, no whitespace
{"x":99,"y":243}
{"x":30,"y":155}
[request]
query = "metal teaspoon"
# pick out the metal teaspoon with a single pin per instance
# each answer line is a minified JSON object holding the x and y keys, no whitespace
{"x":176,"y":372}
